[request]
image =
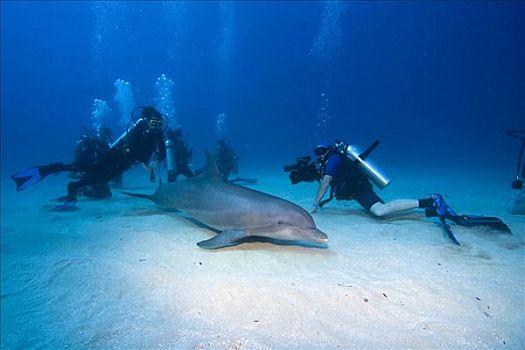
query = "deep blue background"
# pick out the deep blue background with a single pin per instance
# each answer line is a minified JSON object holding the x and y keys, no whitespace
{"x":436,"y":82}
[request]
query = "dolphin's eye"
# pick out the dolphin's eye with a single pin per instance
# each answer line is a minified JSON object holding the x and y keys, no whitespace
{"x":280,"y":222}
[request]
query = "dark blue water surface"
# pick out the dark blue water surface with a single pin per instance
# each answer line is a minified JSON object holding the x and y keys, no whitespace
{"x":436,"y":82}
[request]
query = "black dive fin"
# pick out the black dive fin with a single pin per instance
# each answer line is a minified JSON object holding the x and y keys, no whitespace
{"x":473,"y":220}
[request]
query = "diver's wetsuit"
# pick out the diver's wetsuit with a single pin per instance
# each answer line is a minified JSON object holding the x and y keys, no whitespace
{"x":89,"y":150}
{"x":182,"y":156}
{"x":137,"y":146}
{"x":226,"y":160}
{"x":182,"y":162}
{"x":349,"y":182}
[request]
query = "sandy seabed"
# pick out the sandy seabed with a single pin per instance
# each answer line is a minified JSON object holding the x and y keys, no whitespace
{"x":122,"y":274}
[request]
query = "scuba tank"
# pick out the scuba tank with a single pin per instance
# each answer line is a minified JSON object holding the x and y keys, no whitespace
{"x":170,"y":160}
{"x":123,"y":139}
{"x":371,"y":170}
{"x":136,"y":118}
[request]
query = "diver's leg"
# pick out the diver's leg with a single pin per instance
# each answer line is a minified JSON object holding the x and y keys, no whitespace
{"x":98,"y":191}
{"x":186,"y":171}
{"x":392,"y":207}
{"x":27,"y":177}
{"x":369,"y":200}
{"x":381,"y":209}
{"x":117,"y":181}
{"x":72,"y":189}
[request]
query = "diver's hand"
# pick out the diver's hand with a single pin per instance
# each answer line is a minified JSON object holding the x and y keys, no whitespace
{"x":151,"y":170}
{"x":152,"y":177}
{"x":315,"y":208}
{"x":153,"y":164}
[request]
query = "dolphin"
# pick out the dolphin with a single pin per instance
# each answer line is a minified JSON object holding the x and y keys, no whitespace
{"x":234,"y":211}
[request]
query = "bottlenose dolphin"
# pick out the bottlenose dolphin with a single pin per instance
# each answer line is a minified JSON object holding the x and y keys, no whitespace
{"x":237,"y":212}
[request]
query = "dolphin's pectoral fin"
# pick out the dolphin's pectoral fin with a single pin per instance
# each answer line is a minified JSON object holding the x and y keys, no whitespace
{"x":223,"y":239}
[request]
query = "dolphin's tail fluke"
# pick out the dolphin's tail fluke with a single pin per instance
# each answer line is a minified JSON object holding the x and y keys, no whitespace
{"x":139,"y":195}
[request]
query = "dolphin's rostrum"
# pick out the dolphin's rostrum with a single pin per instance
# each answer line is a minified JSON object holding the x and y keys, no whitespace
{"x":237,"y":212}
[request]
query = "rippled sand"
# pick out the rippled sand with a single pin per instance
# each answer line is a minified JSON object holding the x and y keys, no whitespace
{"x":122,"y":274}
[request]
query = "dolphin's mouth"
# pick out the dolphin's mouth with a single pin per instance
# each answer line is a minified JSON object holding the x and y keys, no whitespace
{"x":322,"y":240}
{"x":320,"y":236}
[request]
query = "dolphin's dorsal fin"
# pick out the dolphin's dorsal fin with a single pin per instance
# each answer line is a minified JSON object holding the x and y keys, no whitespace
{"x":211,"y":171}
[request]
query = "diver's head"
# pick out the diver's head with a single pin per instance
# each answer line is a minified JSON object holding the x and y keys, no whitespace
{"x":154,"y":118}
{"x":321,"y":150}
{"x":174,"y":134}
{"x":104,"y":134}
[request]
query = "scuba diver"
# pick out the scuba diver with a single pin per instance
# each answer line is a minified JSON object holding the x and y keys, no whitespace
{"x":349,"y":174}
{"x":227,"y":163}
{"x":226,"y":160}
{"x":178,"y":158}
{"x":517,"y":202}
{"x":143,"y":138}
{"x":91,"y":147}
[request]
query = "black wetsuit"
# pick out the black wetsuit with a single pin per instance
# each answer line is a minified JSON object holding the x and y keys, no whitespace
{"x":349,"y":181}
{"x":182,"y":156}
{"x":137,"y":145}
{"x":226,"y":161}
{"x":89,"y":150}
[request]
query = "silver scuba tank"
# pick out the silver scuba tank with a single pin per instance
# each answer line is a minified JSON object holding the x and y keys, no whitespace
{"x":123,"y":138}
{"x":375,"y":175}
{"x":170,"y":160}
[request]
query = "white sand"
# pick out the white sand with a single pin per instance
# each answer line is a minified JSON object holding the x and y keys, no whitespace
{"x":121,"y":274}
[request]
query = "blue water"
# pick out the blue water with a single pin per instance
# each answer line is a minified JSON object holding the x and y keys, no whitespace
{"x":437,"y":83}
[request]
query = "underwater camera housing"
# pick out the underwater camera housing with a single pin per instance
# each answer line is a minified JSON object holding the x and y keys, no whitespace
{"x":304,"y":170}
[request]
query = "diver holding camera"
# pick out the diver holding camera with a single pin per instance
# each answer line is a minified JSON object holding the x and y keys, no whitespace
{"x":349,"y":174}
{"x":303,"y":170}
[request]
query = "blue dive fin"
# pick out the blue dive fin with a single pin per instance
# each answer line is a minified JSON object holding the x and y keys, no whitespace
{"x":448,"y":230}
{"x":26,"y":178}
{"x":67,"y":206}
{"x":442,"y":210}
